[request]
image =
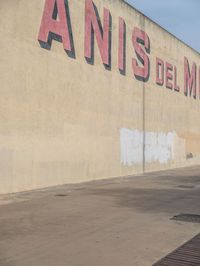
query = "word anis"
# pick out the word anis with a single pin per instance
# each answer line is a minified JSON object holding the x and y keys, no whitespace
{"x":56,"y":25}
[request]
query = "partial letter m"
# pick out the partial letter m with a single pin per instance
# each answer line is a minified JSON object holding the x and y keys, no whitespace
{"x":190,"y":78}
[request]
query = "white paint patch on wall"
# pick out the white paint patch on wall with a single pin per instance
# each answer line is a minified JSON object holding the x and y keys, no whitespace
{"x":159,"y":147}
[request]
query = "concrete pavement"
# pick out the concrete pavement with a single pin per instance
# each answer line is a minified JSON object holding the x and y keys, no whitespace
{"x":118,"y":222}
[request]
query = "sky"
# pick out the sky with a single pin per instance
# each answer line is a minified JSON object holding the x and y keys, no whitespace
{"x":180,"y":17}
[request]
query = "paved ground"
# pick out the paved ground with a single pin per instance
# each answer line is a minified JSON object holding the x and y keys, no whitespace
{"x":118,"y":222}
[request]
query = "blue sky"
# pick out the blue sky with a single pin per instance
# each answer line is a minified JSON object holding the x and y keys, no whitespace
{"x":180,"y":17}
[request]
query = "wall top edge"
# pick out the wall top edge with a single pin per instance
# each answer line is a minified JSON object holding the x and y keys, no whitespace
{"x":154,"y":22}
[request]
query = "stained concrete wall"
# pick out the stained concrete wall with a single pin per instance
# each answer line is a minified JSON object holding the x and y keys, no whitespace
{"x":63,"y":120}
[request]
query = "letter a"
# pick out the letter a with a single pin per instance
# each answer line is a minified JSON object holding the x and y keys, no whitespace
{"x":56,"y":25}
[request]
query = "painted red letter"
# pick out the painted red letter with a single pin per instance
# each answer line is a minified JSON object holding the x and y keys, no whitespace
{"x":189,"y":78}
{"x":176,"y":87}
{"x":122,"y":46}
{"x":159,"y":71}
{"x":93,"y":27}
{"x":140,"y":37}
{"x":169,"y":77}
{"x":53,"y":28}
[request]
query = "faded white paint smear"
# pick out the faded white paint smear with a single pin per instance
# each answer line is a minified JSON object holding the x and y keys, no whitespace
{"x":153,"y":146}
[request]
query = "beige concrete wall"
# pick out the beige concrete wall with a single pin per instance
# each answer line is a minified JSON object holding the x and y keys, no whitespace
{"x":63,"y":120}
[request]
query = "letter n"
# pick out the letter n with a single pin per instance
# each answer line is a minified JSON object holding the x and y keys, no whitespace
{"x":93,"y":27}
{"x":56,"y":25}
